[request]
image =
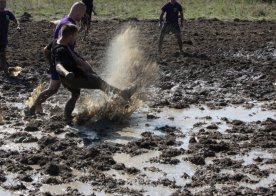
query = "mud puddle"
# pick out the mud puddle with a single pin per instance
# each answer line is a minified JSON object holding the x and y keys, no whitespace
{"x":146,"y":173}
{"x":186,"y":120}
{"x":83,"y":188}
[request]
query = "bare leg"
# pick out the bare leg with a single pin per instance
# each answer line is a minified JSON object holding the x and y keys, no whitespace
{"x":179,"y":41}
{"x":161,"y":39}
{"x":91,"y":81}
{"x":86,"y":29}
{"x":70,"y":105}
{"x":3,"y":62}
{"x":50,"y":91}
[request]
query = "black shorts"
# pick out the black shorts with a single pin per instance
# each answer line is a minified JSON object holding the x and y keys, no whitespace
{"x":171,"y":28}
{"x":2,"y":48}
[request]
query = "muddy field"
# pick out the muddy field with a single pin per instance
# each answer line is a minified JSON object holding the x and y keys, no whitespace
{"x":208,"y":128}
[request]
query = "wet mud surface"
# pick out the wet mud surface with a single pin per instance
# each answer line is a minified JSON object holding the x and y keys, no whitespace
{"x":208,"y":128}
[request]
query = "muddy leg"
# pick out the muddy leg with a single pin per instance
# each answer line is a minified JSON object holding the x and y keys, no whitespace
{"x":179,"y":41}
{"x":70,"y":105}
{"x":96,"y":82}
{"x":93,"y":81}
{"x":3,"y":61}
{"x":161,"y":39}
{"x":50,"y":91}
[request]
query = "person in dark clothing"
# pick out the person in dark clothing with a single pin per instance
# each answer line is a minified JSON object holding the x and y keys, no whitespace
{"x":86,"y":21}
{"x":173,"y":10}
{"x":5,"y":18}
{"x":75,"y":73}
{"x":76,"y":14}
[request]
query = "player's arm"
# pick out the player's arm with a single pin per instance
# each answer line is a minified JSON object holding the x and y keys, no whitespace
{"x":60,"y":60}
{"x":181,"y":16}
{"x":63,"y":72}
{"x":53,"y":23}
{"x":81,"y":63}
{"x":18,"y":24}
{"x":13,"y":18}
{"x":95,"y":13}
{"x":47,"y":54}
{"x":161,"y":18}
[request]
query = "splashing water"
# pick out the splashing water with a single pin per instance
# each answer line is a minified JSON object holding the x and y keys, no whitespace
{"x":15,"y":71}
{"x":125,"y":65}
{"x":1,"y":119}
{"x":36,"y":92}
{"x":126,"y":62}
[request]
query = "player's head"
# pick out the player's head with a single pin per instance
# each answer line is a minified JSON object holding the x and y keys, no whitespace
{"x":173,"y":1}
{"x":77,"y":11}
{"x":69,"y":33}
{"x":3,"y":4}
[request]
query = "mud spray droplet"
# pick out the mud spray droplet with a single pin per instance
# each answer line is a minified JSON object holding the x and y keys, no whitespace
{"x":15,"y":71}
{"x":36,"y":92}
{"x":1,"y":120}
{"x":125,"y":65}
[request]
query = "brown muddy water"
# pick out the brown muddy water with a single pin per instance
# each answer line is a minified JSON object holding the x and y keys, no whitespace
{"x":154,"y":174}
{"x":208,"y":128}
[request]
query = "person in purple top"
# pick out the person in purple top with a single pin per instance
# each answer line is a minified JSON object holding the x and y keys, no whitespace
{"x":173,"y":10}
{"x":5,"y":18}
{"x":77,"y":12}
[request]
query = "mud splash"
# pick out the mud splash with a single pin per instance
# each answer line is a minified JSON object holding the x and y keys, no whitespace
{"x":125,"y":66}
{"x":126,"y":62}
{"x":31,"y":100}
{"x":100,"y":106}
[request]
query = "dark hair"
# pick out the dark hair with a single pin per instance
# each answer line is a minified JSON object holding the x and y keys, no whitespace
{"x":68,"y":29}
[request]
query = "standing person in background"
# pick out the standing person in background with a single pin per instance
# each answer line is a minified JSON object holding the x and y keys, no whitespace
{"x":5,"y":18}
{"x":86,"y":21}
{"x":173,"y":10}
{"x":77,"y":12}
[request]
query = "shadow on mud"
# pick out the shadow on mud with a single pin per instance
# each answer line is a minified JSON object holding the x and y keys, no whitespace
{"x":191,"y":55}
{"x":98,"y":132}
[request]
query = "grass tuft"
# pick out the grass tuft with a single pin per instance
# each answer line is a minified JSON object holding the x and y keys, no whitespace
{"x":144,"y":9}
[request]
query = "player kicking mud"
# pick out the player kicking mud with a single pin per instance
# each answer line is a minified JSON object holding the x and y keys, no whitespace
{"x":75,"y":73}
{"x":77,"y":12}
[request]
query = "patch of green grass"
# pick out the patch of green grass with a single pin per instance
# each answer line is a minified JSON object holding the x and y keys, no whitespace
{"x":149,"y":9}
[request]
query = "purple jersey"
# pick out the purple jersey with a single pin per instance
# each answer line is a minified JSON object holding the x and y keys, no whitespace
{"x":172,"y":12}
{"x":5,"y":18}
{"x":63,"y":21}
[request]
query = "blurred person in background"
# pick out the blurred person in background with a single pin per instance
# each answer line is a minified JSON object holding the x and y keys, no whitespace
{"x":86,"y":21}
{"x":5,"y":17}
{"x":173,"y":11}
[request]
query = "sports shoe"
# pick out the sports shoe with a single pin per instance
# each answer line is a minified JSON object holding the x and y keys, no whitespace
{"x":29,"y":111}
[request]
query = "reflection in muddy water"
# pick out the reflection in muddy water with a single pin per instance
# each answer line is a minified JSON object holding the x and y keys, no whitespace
{"x":183,"y":119}
{"x":83,"y":188}
{"x":19,"y":146}
{"x":264,"y":182}
{"x":4,"y":193}
{"x":187,"y":121}
{"x":161,"y":171}
{"x":249,"y":158}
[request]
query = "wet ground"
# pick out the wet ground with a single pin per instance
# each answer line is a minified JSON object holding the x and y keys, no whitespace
{"x":208,"y":128}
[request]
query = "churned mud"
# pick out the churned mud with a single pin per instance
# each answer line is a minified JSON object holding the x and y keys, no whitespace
{"x":207,"y":126}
